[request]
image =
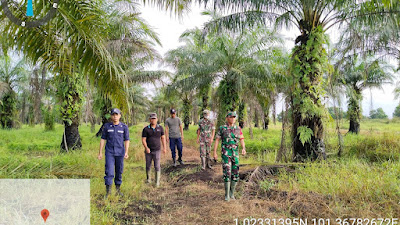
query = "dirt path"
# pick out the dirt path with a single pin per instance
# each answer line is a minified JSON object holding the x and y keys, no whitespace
{"x":189,"y":195}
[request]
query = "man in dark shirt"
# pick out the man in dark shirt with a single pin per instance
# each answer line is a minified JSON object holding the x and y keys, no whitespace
{"x":117,"y":136}
{"x":152,"y":137}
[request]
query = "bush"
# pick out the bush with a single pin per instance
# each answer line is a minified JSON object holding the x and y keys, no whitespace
{"x":396,"y":112}
{"x":377,"y":114}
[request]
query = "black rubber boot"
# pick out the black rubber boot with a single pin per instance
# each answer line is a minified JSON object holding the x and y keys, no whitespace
{"x":118,"y":187}
{"x":174,"y":162}
{"x":108,"y":191}
{"x":208,"y":162}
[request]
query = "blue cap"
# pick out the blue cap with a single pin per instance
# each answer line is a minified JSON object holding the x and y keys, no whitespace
{"x":115,"y":111}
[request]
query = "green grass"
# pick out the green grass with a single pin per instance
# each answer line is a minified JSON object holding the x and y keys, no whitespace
{"x":365,"y":180}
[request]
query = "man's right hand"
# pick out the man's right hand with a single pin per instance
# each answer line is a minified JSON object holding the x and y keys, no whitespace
{"x":100,"y":156}
{"x":147,"y":150}
{"x":215,"y":156}
{"x":198,"y":141}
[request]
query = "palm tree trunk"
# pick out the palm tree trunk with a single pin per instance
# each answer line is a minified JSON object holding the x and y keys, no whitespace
{"x":166,"y":114}
{"x":8,"y":109}
{"x":274,"y":108}
{"x":266,"y":117}
{"x":186,"y":113}
{"x":71,"y":139}
{"x":105,"y":109}
{"x":314,"y":148}
{"x":282,"y":150}
{"x":354,"y":126}
{"x":256,"y":119}
{"x":308,"y":67}
{"x":38,"y":87}
{"x":242,"y":114}
{"x":249,"y":118}
{"x":195,"y":113}
{"x":204,"y":99}
{"x":133,"y":116}
{"x":71,"y":88}
{"x":355,"y":112}
{"x":23,"y":109}
{"x":229,"y":99}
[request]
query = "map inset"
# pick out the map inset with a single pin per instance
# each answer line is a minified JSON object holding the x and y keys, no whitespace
{"x":22,"y":201}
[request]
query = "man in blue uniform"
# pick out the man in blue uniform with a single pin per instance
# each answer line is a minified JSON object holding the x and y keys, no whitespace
{"x":116,"y":137}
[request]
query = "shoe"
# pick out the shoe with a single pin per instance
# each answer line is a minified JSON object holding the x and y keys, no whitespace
{"x":181,"y":162}
{"x":203,"y":162}
{"x":174,"y":162}
{"x":118,"y":187}
{"x":208,"y":162}
{"x":148,"y":180}
{"x":158,"y":176}
{"x":233,"y":187}
{"x":227,"y":189}
{"x":108,"y":191}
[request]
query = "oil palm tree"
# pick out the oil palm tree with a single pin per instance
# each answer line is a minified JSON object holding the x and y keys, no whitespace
{"x":131,"y":43}
{"x":231,"y":60}
{"x":357,"y":75}
{"x":72,"y":45}
{"x":12,"y":74}
{"x":309,"y":59}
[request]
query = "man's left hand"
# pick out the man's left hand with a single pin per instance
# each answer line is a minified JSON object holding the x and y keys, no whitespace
{"x":126,"y":156}
{"x":243,"y":151}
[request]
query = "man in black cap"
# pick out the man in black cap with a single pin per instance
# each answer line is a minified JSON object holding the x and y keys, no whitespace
{"x":152,"y":137}
{"x":116,"y":137}
{"x":174,"y":132}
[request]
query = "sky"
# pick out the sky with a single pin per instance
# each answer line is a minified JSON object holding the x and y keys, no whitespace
{"x":169,"y":28}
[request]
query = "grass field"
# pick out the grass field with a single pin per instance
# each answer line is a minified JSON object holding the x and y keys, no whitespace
{"x":364,"y":182}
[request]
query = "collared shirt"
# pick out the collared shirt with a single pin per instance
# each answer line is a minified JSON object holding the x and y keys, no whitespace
{"x":115,"y":135}
{"x":153,"y":137}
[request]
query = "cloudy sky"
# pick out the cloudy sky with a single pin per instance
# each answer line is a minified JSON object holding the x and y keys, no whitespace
{"x":170,"y":27}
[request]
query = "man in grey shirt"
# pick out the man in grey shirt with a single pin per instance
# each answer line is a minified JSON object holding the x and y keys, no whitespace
{"x":174,"y":133}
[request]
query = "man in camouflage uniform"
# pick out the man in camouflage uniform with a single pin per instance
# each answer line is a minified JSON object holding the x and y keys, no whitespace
{"x":230,"y":136}
{"x":205,"y":137}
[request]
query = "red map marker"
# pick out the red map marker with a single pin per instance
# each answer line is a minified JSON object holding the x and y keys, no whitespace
{"x":45,"y":213}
